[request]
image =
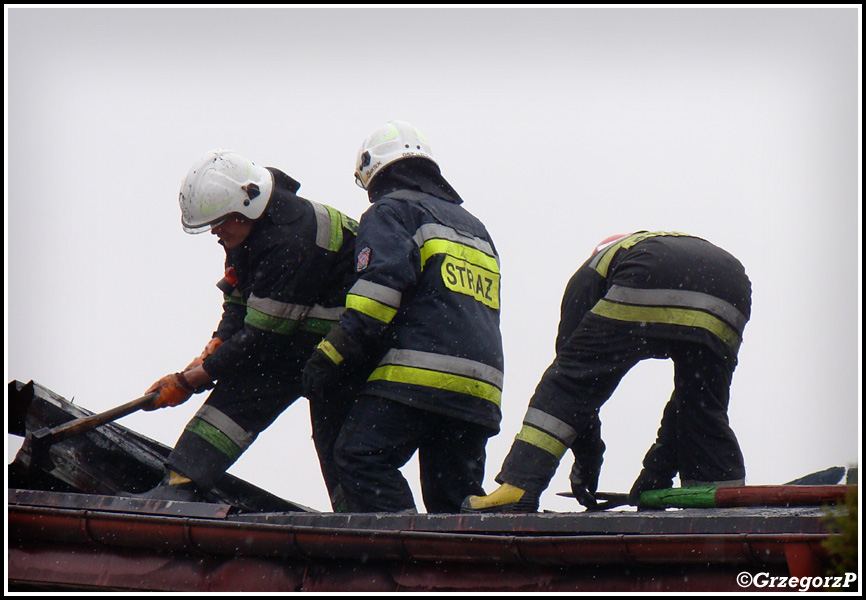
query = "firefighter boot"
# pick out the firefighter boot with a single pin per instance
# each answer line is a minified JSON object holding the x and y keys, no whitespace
{"x":174,"y":486}
{"x":505,"y":499}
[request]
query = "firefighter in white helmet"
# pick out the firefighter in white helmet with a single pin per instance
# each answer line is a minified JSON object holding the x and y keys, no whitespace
{"x":289,"y":263}
{"x":426,"y":305}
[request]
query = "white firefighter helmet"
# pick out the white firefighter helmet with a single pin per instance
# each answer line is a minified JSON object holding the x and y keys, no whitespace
{"x":221,"y":183}
{"x":391,"y":142}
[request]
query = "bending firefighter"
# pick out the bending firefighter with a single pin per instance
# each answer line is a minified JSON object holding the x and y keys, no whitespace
{"x":289,"y":263}
{"x":426,"y":308}
{"x":645,"y":295}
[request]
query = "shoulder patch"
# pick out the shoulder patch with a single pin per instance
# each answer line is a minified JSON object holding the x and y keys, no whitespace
{"x":363,"y":259}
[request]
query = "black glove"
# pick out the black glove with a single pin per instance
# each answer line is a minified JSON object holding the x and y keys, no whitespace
{"x":584,"y":485}
{"x":646,"y":481}
{"x":320,"y":377}
{"x":332,"y":365}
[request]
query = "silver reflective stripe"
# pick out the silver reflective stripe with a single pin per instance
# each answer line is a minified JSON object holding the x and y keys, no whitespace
{"x":323,"y":225}
{"x":550,"y":424}
{"x":232,"y":430}
{"x":445,"y":364}
{"x":328,"y":314}
{"x":375,"y":291}
{"x":679,"y":298}
{"x":432,"y":231}
{"x":274,"y":308}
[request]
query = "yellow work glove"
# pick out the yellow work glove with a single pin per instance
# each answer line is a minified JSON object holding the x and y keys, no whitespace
{"x":173,"y":391}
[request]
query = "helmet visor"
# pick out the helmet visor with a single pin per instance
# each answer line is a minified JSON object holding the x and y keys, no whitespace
{"x":204,"y":227}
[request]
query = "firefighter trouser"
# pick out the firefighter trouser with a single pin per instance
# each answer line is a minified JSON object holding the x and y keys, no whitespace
{"x":380,"y":436}
{"x":694,"y":439}
{"x":327,"y":418}
{"x":237,"y":410}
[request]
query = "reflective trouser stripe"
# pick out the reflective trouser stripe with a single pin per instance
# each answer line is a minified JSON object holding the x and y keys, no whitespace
{"x":602,"y":260}
{"x":555,"y":427}
{"x":542,"y":440}
{"x":682,"y":299}
{"x":213,"y":426}
{"x":374,"y":300}
{"x":670,"y":316}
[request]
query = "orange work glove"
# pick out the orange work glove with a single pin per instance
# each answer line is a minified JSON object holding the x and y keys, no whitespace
{"x":173,"y":391}
{"x":212,"y":345}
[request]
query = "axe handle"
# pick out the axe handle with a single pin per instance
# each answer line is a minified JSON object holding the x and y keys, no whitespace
{"x":76,"y":426}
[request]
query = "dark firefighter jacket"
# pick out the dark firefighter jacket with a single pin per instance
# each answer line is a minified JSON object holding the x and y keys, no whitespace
{"x":285,"y":286}
{"x":662,"y":284}
{"x":428,"y":294}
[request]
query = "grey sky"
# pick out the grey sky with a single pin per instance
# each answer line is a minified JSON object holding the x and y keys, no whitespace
{"x":558,"y":126}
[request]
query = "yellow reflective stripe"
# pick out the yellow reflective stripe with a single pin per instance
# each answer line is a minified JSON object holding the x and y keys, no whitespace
{"x":442,"y":363}
{"x":550,"y":424}
{"x":335,"y":240}
{"x":328,"y":349}
{"x":542,"y":440}
{"x":602,"y":263}
{"x":349,"y":223}
{"x":476,"y":257}
{"x":233,"y":300}
{"x":214,"y":437}
{"x":672,"y":316}
{"x":680,"y":299}
{"x":438,"y":380}
{"x":260,"y":320}
{"x":376,"y":291}
{"x":371,"y":308}
{"x":237,"y":434}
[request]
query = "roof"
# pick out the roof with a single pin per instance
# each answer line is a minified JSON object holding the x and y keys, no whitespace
{"x":63,"y":536}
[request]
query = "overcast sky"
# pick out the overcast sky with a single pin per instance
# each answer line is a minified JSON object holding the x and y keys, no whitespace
{"x":558,"y":126}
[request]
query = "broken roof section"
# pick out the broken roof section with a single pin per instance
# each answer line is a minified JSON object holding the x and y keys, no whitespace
{"x":110,"y":460}
{"x":70,"y":529}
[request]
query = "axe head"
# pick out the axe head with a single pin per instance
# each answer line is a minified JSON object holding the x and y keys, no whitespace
{"x":34,"y":451}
